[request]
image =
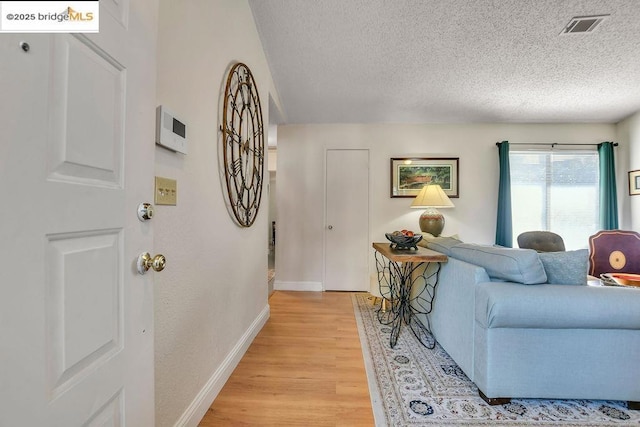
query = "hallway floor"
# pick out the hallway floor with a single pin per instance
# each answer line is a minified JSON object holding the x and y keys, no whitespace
{"x":305,"y":368}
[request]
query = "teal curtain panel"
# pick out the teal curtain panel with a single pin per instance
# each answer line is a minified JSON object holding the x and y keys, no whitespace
{"x":504,"y":226}
{"x":608,"y":193}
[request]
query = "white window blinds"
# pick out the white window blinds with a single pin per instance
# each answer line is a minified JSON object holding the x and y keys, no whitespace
{"x":555,"y":191}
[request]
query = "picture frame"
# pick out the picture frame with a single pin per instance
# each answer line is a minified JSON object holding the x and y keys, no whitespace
{"x":634,"y":182}
{"x":410,"y":174}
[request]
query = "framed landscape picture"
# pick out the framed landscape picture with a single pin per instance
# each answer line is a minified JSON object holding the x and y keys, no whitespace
{"x":410,"y":174}
{"x":634,"y":183}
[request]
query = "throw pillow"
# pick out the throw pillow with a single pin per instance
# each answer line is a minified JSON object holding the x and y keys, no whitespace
{"x":442,"y":244}
{"x":514,"y":265}
{"x":566,"y":268}
{"x":427,"y":237}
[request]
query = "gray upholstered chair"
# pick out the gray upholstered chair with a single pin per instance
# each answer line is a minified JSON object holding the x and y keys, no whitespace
{"x":541,"y":241}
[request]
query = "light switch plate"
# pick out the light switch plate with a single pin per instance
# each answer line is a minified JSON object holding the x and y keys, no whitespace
{"x":166,"y":191}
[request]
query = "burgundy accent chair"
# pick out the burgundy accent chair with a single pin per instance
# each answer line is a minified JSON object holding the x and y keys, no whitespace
{"x":614,"y":251}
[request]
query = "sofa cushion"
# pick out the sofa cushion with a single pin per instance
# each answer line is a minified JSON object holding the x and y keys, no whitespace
{"x":566,"y":268}
{"x":441,"y":244}
{"x":515,"y":265}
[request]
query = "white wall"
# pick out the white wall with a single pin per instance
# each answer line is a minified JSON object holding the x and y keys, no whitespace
{"x":300,"y":194}
{"x":629,"y":135}
{"x":212,"y":297}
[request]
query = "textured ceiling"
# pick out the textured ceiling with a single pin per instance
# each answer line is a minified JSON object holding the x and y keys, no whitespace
{"x":429,"y":61}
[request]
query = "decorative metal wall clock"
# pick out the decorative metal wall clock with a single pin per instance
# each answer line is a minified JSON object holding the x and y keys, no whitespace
{"x":243,"y":139}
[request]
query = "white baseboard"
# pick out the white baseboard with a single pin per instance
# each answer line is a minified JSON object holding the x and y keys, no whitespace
{"x":279,"y":285}
{"x":198,"y":408}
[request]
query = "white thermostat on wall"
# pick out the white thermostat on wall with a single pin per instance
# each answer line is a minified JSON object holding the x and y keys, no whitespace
{"x":170,"y":131}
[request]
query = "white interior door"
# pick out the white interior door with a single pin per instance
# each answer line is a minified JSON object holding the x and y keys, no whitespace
{"x":347,"y":221}
{"x":77,"y":156}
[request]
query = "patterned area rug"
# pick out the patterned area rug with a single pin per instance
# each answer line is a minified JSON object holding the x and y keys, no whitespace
{"x":411,"y":385}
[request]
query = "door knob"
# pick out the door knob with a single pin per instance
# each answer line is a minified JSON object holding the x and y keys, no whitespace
{"x":145,"y":262}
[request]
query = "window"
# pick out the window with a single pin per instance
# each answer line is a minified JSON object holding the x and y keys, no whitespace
{"x":555,"y":191}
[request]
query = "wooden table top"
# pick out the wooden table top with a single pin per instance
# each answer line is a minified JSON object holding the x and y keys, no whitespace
{"x":409,"y":255}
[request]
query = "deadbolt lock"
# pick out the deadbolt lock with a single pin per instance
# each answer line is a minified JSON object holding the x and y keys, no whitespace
{"x":145,"y":211}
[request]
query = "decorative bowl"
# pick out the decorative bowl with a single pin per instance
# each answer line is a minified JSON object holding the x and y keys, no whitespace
{"x":400,"y":241}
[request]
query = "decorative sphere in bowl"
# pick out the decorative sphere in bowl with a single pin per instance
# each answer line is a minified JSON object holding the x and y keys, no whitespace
{"x":403,"y":239}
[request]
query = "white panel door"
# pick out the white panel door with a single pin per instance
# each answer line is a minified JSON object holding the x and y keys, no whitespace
{"x":347,"y":221}
{"x":77,"y":156}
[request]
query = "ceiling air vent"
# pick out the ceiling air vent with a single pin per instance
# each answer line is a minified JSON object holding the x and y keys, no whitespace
{"x":583,"y":24}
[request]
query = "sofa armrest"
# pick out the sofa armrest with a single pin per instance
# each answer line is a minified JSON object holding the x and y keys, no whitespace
{"x":550,"y":306}
{"x":452,"y":318}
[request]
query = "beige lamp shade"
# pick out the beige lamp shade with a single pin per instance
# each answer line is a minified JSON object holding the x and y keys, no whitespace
{"x":431,"y":197}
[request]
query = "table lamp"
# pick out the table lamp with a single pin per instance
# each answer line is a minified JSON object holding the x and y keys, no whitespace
{"x":431,"y":197}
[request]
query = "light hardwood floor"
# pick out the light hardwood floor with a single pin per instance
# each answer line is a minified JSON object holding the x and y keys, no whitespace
{"x":305,"y":368}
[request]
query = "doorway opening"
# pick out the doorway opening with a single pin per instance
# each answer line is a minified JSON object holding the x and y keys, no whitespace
{"x":271,"y":260}
{"x":275,"y":117}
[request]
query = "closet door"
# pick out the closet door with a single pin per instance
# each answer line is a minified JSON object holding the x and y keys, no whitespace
{"x":346,"y":220}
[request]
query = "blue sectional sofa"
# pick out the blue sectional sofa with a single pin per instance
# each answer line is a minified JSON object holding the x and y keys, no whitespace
{"x":527,"y":325}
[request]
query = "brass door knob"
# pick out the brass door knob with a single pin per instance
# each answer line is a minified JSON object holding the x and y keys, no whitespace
{"x":145,"y":262}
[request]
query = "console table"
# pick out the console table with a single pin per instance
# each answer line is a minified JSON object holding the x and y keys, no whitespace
{"x":409,"y":290}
